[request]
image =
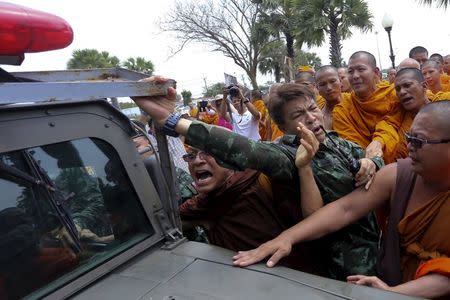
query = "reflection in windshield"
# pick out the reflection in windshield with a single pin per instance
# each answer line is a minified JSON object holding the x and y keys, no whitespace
{"x":35,"y":245}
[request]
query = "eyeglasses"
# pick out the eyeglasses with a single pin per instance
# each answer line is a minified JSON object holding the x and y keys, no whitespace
{"x":418,"y":142}
{"x":189,"y":157}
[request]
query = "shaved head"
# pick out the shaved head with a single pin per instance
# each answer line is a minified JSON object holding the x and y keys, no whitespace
{"x":417,"y":50}
{"x":304,"y":77}
{"x":439,"y":110}
{"x":415,"y":73}
{"x":370,"y":58}
{"x":437,"y":57}
{"x":432,"y":63}
{"x":409,"y":63}
{"x":326,"y":68}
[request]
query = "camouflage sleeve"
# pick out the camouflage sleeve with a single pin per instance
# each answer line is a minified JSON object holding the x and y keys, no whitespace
{"x":358,"y":153}
{"x":236,"y":152}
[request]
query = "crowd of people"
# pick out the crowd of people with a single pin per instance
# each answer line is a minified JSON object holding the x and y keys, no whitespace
{"x":317,"y":172}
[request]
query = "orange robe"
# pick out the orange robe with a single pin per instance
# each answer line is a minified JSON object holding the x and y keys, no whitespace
{"x":424,"y":234}
{"x":377,"y":118}
{"x":193,"y":112}
{"x":438,"y":96}
{"x":320,"y":101}
{"x":445,"y":78}
{"x":438,"y":265}
{"x":276,"y":132}
{"x":261,"y":107}
{"x":209,"y":119}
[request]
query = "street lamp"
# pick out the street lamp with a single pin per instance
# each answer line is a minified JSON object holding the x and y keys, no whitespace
{"x":387,"y":23}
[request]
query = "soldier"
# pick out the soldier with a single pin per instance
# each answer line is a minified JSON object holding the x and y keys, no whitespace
{"x":354,"y":248}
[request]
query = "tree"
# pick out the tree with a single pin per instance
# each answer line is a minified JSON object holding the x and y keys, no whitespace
{"x":307,"y":59}
{"x":124,"y":105}
{"x":272,"y":60}
{"x":335,"y":18}
{"x":186,"y":97}
{"x":92,"y":58}
{"x":139,"y":64}
{"x":213,"y":89}
{"x":439,"y":3}
{"x":227,"y":26}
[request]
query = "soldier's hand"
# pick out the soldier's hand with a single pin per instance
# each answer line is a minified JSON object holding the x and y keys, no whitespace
{"x":279,"y":247}
{"x":366,"y":173}
{"x":158,"y":107}
{"x":374,"y":149}
{"x":308,"y":148}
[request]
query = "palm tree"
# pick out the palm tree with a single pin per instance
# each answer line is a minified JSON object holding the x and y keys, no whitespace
{"x":334,"y":18}
{"x":92,"y":58}
{"x":439,"y":3}
{"x":139,"y":64}
{"x":272,"y":60}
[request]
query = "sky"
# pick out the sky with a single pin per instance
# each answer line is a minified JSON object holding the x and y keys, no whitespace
{"x":130,"y":28}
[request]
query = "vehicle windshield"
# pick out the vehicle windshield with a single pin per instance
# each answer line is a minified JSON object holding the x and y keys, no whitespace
{"x":37,"y":252}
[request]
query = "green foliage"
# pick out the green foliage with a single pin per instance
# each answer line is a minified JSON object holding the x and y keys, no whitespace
{"x":214,"y":89}
{"x":124,"y":105}
{"x":334,"y":18}
{"x":304,"y":58}
{"x":139,"y":64}
{"x":187,"y":95}
{"x":92,"y":58}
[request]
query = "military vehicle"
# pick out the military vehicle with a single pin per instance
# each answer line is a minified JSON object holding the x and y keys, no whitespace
{"x":82,"y":216}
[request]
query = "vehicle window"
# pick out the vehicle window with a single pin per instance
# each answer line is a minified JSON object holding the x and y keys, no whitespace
{"x":84,"y":212}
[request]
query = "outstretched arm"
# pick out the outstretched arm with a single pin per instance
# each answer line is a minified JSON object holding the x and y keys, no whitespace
{"x":428,"y":286}
{"x":330,"y":218}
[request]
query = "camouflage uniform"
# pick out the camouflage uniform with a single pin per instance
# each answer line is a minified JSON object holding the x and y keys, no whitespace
{"x":353,"y":250}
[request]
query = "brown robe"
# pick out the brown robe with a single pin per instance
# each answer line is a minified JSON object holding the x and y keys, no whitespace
{"x":425,"y":234}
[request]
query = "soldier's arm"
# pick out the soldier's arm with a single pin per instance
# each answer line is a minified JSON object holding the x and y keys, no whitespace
{"x":237,"y":152}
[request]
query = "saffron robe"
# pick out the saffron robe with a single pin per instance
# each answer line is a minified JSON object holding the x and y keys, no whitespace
{"x":261,"y":107}
{"x":424,"y":234}
{"x":376,"y":118}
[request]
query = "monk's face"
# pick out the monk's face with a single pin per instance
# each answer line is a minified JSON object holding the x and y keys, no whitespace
{"x":391,"y":75}
{"x":345,"y":83}
{"x":431,"y":74}
{"x":363,"y":77}
{"x":207,"y":174}
{"x":430,"y":160}
{"x":410,"y":92}
{"x":420,"y":57}
{"x":304,"y":111}
{"x":446,"y":64}
{"x":329,"y":85}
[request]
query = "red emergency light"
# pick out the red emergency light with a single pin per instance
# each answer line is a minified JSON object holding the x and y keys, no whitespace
{"x":25,"y":30}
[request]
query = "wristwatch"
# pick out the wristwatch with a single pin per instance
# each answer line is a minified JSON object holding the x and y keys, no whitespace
{"x":171,"y":122}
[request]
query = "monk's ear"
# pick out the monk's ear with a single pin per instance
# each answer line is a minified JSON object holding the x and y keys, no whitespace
{"x":377,"y":71}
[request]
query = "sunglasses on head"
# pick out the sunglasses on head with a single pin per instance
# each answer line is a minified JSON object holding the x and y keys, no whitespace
{"x":418,"y":142}
{"x":191,"y":156}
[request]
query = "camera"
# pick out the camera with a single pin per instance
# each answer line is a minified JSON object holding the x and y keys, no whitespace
{"x":233,"y":90}
{"x":202,"y":105}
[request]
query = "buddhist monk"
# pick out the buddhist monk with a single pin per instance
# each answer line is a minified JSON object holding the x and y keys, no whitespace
{"x":264,"y":122}
{"x":430,"y":70}
{"x":372,"y":115}
{"x":411,"y":90}
{"x":329,"y":87}
{"x":418,"y":191}
{"x":391,"y":75}
{"x":409,"y":63}
{"x":419,"y":53}
{"x":446,"y":64}
{"x":343,"y":76}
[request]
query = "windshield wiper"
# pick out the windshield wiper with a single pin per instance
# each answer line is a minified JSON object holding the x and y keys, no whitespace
{"x":53,"y":194}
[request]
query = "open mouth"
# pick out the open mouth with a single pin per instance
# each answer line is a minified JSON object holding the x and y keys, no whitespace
{"x":317,"y":130}
{"x":202,"y":176}
{"x":407,"y":100}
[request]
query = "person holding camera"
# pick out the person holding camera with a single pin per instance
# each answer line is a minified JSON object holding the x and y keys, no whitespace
{"x":244,"y":115}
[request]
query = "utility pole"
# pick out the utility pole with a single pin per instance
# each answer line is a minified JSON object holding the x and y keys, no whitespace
{"x":206,"y":86}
